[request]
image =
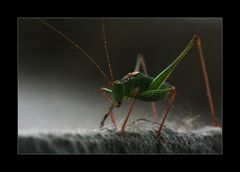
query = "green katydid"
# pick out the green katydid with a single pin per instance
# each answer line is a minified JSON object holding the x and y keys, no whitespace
{"x":141,"y":86}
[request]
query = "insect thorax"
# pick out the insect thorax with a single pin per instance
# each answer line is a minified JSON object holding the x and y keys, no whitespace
{"x":134,"y":80}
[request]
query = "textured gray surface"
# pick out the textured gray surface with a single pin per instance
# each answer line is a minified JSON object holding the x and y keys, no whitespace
{"x":204,"y":140}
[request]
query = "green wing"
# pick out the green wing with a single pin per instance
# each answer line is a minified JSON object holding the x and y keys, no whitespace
{"x":163,"y":76}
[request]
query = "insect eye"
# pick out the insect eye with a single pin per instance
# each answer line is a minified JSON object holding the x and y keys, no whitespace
{"x":117,"y":83}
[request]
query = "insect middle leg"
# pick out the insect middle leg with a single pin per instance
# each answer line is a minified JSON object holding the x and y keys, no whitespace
{"x":141,"y":63}
{"x":173,"y":95}
{"x":130,"y":109}
{"x":151,"y":94}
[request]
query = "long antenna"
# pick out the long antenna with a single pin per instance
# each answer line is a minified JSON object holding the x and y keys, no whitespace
{"x":107,"y":53}
{"x":77,"y":46}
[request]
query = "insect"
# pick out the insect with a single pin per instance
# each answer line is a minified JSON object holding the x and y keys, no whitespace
{"x":141,"y":86}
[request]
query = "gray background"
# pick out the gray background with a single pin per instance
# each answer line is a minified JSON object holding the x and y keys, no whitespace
{"x":58,"y":85}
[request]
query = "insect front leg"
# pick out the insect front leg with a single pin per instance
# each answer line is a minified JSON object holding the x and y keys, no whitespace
{"x":103,"y":92}
{"x":141,"y":63}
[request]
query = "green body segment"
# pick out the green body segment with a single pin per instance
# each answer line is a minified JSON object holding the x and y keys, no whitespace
{"x":142,"y":82}
{"x":125,"y":89}
{"x":150,"y":89}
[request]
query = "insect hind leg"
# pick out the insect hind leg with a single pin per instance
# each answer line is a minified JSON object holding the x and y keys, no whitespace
{"x":198,"y":42}
{"x":141,"y":63}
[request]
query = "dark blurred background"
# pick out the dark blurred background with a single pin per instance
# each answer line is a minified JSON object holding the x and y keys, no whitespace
{"x":58,"y":85}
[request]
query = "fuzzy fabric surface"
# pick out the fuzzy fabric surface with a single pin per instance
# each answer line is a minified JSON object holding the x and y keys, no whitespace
{"x":136,"y":140}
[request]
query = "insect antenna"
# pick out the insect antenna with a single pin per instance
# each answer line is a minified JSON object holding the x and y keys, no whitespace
{"x":106,"y":49}
{"x":75,"y":45}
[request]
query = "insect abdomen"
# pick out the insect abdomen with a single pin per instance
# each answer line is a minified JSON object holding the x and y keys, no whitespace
{"x":156,"y":96}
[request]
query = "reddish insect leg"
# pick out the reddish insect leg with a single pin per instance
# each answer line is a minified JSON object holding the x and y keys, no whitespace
{"x":113,"y":120}
{"x":205,"y":74}
{"x":129,"y":111}
{"x":105,"y":95}
{"x":110,"y":100}
{"x":141,"y":62}
{"x":173,"y":94}
{"x":154,"y":110}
